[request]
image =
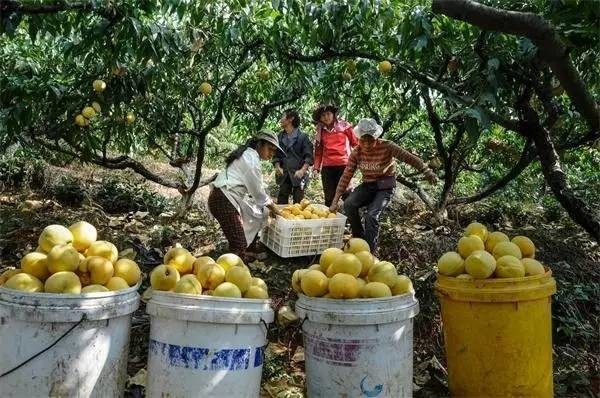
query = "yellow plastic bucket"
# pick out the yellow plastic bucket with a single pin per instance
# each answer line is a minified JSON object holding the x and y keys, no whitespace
{"x":498,"y":335}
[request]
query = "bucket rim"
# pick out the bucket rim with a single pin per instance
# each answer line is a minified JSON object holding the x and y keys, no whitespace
{"x":497,"y":281}
{"x":70,"y":296}
{"x":201,"y":297}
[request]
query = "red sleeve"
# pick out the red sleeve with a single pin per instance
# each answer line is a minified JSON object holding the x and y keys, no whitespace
{"x":318,"y":151}
{"x":351,"y":137}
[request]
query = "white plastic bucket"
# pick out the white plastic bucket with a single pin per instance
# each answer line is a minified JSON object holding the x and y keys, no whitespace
{"x":203,"y":346}
{"x":358,"y":348}
{"x":82,"y":342}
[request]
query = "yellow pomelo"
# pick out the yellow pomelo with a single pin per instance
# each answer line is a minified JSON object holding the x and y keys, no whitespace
{"x":304,"y":203}
{"x":210,"y":275}
{"x":328,"y":256}
{"x":343,"y":286}
{"x":314,"y":283}
{"x":355,"y":245}
{"x":384,"y":272}
{"x":346,"y":263}
{"x":84,"y":234}
{"x":54,"y":235}
{"x":164,"y":277}
{"x":367,"y":260}
{"x":206,"y":88}
{"x":477,"y":229}
{"x":128,"y":270}
{"x":375,"y":290}
{"x":403,"y":285}
{"x":307,"y":214}
{"x":63,"y":282}
{"x":188,"y":284}
{"x":200,"y":261}
{"x":525,"y":245}
{"x":115,"y":283}
{"x":99,"y":85}
{"x":385,"y":67}
{"x":464,"y":276}
{"x":533,"y":267}
{"x":104,"y":249}
{"x":62,"y":258}
{"x":181,"y":259}
{"x":229,"y":260}
{"x":296,"y":278}
{"x":25,"y":283}
{"x":239,"y":276}
{"x":361,"y":282}
{"x":260,"y":283}
{"x":451,"y":264}
{"x":480,"y":264}
{"x":96,"y":107}
{"x":94,"y":289}
{"x":315,"y":266}
{"x":256,"y":292}
{"x":227,"y":289}
{"x":493,"y":239}
{"x":35,"y":264}
{"x":80,"y":120}
{"x":88,"y":112}
{"x":9,"y":273}
{"x":469,"y":244}
{"x":99,"y":269}
{"x":509,"y":267}
{"x":507,"y":249}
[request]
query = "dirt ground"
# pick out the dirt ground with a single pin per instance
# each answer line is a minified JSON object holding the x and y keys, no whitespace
{"x":408,"y":239}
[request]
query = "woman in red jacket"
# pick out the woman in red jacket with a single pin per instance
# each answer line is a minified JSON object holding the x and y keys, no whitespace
{"x":334,"y":141}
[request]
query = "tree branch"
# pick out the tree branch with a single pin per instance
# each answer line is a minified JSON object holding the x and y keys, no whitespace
{"x":527,"y":156}
{"x":551,"y":48}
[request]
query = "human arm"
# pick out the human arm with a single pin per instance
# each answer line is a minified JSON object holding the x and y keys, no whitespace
{"x":413,"y":160}
{"x":344,"y":181}
{"x":307,"y":157}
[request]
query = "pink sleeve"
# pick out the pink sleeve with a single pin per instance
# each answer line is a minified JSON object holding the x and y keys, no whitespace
{"x":351,"y":137}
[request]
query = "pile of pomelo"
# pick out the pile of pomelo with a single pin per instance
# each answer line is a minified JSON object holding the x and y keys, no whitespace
{"x":305,"y":211}
{"x":484,"y":254}
{"x":226,"y":277}
{"x":72,"y":261}
{"x":349,"y":274}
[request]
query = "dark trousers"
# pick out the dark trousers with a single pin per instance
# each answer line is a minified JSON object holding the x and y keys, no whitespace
{"x":286,"y":188}
{"x":367,"y":195}
{"x":330,"y":177}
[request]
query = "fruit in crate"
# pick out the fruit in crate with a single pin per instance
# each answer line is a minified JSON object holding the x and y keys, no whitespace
{"x":226,"y":277}
{"x":68,"y":258}
{"x":352,"y":273}
{"x":305,"y":211}
{"x":25,"y":283}
{"x":181,"y":259}
{"x":500,"y":256}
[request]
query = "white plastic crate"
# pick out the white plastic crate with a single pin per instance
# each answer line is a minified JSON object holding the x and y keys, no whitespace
{"x":295,"y":238}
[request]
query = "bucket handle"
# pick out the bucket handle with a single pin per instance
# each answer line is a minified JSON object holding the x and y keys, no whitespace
{"x":266,"y":325}
{"x":83,"y":318}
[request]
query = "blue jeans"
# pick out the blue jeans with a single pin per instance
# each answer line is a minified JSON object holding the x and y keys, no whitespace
{"x":367,"y":195}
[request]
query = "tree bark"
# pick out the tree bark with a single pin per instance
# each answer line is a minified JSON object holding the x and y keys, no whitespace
{"x":555,"y":177}
{"x":551,"y":49}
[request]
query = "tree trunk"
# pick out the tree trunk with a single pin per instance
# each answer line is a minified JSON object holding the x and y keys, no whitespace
{"x":555,"y":177}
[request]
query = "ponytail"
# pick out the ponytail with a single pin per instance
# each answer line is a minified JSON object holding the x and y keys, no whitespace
{"x":239,"y":151}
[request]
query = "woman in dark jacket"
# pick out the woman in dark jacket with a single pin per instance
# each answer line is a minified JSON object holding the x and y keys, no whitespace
{"x":291,"y":165}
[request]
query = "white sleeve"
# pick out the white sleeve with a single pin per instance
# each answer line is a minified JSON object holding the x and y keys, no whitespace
{"x":253,"y":180}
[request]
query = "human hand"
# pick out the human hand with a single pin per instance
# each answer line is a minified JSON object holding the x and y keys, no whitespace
{"x":300,"y":173}
{"x":431,"y":177}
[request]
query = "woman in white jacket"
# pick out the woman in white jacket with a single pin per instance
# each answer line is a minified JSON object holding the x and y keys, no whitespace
{"x":238,"y":199}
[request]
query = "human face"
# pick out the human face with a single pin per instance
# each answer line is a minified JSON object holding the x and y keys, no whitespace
{"x":266,"y":150}
{"x":367,"y":142}
{"x":285,"y":122}
{"x":327,"y":118}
